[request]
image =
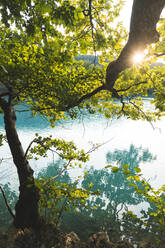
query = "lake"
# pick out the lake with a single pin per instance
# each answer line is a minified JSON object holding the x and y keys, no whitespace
{"x":117,"y":134}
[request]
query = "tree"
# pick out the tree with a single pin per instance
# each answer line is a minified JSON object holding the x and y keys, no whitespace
{"x":37,"y":67}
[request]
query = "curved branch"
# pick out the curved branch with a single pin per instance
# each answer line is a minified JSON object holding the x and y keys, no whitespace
{"x":29,"y":147}
{"x":145,"y":15}
{"x":84,"y":97}
{"x":129,"y":87}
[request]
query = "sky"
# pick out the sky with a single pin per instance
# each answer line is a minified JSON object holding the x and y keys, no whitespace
{"x":125,"y":13}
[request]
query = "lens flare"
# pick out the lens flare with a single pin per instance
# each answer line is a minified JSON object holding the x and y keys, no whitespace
{"x":138,"y":58}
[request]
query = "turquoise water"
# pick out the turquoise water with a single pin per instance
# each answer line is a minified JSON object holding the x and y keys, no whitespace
{"x":117,"y":134}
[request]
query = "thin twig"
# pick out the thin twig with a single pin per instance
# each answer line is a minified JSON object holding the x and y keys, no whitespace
{"x":98,"y":146}
{"x":140,"y":110}
{"x":92,"y":26}
{"x":66,"y":167}
{"x":59,"y":174}
{"x":66,"y":108}
{"x":129,"y":87}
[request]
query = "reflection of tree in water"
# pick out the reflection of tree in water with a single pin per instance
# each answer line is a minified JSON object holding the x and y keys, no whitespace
{"x":133,"y":157}
{"x":115,"y":195}
{"x":114,"y":188}
{"x":55,"y":169}
{"x":5,"y":217}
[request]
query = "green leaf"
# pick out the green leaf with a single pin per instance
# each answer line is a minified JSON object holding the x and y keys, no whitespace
{"x":126,"y":172}
{"x":137,"y":169}
{"x":108,"y":166}
{"x":115,"y":169}
{"x":125,"y":166}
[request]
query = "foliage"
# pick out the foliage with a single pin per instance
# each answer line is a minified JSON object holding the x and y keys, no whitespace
{"x":89,"y":59}
{"x":153,"y":220}
{"x":43,"y":72}
{"x":38,"y":59}
{"x":57,"y":198}
{"x":2,"y":138}
{"x":65,"y":150}
{"x":59,"y":194}
{"x":151,"y":224}
{"x":104,"y":212}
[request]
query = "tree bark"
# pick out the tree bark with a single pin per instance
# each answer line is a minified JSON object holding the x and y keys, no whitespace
{"x":145,"y":15}
{"x":26,"y":209}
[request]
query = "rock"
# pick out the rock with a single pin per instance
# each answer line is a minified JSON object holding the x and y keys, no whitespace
{"x":72,"y":240}
{"x":124,"y":244}
{"x":50,"y":236}
{"x":26,"y":239}
{"x":146,"y":244}
{"x":100,"y":240}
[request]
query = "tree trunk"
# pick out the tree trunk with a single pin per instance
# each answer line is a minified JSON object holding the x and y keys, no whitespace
{"x":26,"y":209}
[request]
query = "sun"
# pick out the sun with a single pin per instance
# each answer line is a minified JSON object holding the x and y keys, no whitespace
{"x":138,"y":58}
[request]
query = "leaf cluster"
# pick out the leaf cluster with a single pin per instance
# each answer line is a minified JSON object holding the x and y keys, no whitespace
{"x":58,"y":198}
{"x":64,"y":149}
{"x":153,"y":220}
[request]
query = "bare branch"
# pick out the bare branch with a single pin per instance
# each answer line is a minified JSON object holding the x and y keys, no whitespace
{"x":29,"y":147}
{"x":96,"y":147}
{"x":59,"y":174}
{"x":6,"y":202}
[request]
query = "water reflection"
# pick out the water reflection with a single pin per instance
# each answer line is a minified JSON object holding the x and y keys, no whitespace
{"x":5,"y":217}
{"x":115,"y":196}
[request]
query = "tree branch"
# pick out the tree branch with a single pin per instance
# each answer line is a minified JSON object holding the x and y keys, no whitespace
{"x":84,"y":97}
{"x":29,"y":147}
{"x":6,"y":202}
{"x":145,"y":15}
{"x":159,"y":55}
{"x":66,"y":166}
{"x":92,"y":25}
{"x":142,"y":112}
{"x":129,"y":87}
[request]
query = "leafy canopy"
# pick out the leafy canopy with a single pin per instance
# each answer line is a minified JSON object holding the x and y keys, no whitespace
{"x":38,"y":59}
